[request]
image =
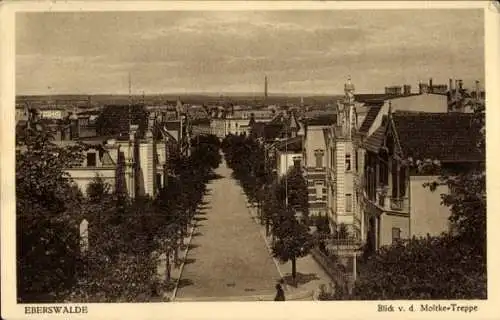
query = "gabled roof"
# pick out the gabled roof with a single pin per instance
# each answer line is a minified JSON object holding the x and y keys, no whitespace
{"x":442,"y":136}
{"x":366,"y":97}
{"x":200,"y":121}
{"x":257,"y":129}
{"x":370,"y":117}
{"x":376,"y":139}
{"x":321,"y":120}
{"x":290,"y":145}
{"x":107,"y":160}
{"x":273,"y":130}
{"x":172,"y":125}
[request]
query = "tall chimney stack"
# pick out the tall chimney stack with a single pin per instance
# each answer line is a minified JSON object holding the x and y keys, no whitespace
{"x":450,"y":86}
{"x":431,"y":88}
{"x":478,"y":91}
{"x":460,"y":84}
{"x":265,"y":87}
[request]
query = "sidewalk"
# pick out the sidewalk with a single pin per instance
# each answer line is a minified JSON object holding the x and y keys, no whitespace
{"x":175,"y":271}
{"x":310,"y":275}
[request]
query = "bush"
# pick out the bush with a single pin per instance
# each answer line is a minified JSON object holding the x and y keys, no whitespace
{"x":428,"y":268}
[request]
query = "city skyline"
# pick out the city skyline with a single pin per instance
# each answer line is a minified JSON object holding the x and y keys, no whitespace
{"x":301,"y":52}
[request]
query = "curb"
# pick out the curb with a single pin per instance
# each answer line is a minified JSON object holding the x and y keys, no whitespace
{"x":174,"y":292}
{"x":268,"y":246}
{"x":293,"y":295}
{"x":264,"y":297}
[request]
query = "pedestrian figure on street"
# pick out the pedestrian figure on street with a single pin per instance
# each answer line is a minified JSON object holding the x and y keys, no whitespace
{"x":280,"y":294}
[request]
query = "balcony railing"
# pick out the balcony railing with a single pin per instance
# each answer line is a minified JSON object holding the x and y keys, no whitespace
{"x":387,"y":203}
{"x":399,"y":204}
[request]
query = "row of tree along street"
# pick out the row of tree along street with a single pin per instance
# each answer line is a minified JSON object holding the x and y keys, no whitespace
{"x":125,"y":236}
{"x":450,"y":266}
{"x":282,"y":203}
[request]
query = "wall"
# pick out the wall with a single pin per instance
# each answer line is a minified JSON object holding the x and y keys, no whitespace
{"x":52,"y":114}
{"x":218,"y":127}
{"x":421,"y":103}
{"x":340,"y":151}
{"x":285,"y":161}
{"x":434,"y":103}
{"x":146,"y":161}
{"x":236,"y":126}
{"x":83,"y":176}
{"x":387,"y":222}
{"x":315,"y":139}
{"x":426,"y":212}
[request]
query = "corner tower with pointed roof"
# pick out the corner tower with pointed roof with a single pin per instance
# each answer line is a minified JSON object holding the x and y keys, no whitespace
{"x":342,"y":200}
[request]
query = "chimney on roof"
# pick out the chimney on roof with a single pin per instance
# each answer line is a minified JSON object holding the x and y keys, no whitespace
{"x":133,"y":129}
{"x":406,"y":89}
{"x":423,"y":88}
{"x":450,"y":86}
{"x":74,"y":128}
{"x":460,"y":84}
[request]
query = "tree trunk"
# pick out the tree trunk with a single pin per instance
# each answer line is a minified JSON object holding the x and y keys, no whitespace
{"x":261,"y":213}
{"x":294,"y":271}
{"x":267,"y":227}
{"x":183,"y":230}
{"x":176,"y":253}
{"x":167,"y":265}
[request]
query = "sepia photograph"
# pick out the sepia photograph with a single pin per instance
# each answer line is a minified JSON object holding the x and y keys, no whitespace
{"x":249,"y":155}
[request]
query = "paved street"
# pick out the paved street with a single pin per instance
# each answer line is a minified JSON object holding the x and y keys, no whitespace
{"x":227,"y":256}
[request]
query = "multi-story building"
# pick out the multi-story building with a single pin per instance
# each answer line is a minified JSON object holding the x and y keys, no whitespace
{"x":396,"y":204}
{"x":137,"y":163}
{"x":343,"y":206}
{"x":288,"y":155}
{"x":200,"y":126}
{"x":53,"y":112}
{"x":237,"y":122}
{"x":314,"y":164}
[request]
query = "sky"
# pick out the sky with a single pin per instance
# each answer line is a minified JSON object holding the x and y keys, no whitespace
{"x":301,"y":52}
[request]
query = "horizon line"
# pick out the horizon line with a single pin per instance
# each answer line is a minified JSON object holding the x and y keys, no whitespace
{"x":207,"y":93}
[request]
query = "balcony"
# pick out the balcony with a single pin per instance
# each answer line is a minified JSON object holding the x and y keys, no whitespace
{"x":384,"y":202}
{"x":400,"y":204}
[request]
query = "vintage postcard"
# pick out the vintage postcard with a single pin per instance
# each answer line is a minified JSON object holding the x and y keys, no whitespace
{"x":249,"y":159}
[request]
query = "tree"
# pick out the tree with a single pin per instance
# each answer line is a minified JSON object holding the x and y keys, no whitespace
{"x":115,"y":119}
{"x":293,"y":239}
{"x":467,"y":196}
{"x":426,"y":268}
{"x":450,"y":266}
{"x":295,"y":190}
{"x":47,"y":214}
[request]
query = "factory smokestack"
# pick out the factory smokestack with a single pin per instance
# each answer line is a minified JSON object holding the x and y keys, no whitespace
{"x":265,"y":87}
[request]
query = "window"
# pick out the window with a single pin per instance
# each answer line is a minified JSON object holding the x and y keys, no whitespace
{"x":319,"y":190}
{"x":356,"y":160}
{"x":332,"y":158}
{"x":348,"y":202}
{"x":296,"y":162}
{"x":158,"y":180}
{"x":91,"y":159}
{"x":396,"y":234}
{"x":348,"y":162}
{"x":319,"y":158}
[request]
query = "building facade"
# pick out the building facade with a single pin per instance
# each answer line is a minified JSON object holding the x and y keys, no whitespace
{"x":315,"y":165}
{"x":396,"y":205}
